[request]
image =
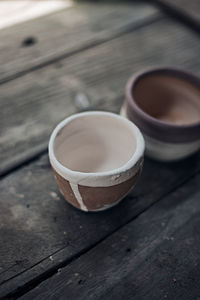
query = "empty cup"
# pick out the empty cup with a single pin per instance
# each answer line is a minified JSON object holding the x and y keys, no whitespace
{"x":165,"y":104}
{"x":97,"y":158}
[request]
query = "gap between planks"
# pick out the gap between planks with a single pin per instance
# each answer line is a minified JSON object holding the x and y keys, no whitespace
{"x":23,"y":158}
{"x":93,"y":44}
{"x":34,"y":154}
{"x":141,"y":259}
{"x":178,"y":15}
{"x":21,"y":291}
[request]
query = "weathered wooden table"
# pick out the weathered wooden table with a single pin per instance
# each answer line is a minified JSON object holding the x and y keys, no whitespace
{"x":148,"y":247}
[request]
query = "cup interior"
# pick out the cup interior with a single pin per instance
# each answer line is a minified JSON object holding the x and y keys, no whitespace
{"x":168,"y":98}
{"x":95,"y":143}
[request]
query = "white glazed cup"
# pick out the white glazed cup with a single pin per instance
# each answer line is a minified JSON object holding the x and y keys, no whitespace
{"x":97,"y":158}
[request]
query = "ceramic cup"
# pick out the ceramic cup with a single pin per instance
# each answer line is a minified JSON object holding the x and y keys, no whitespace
{"x":97,"y":158}
{"x":165,"y":104}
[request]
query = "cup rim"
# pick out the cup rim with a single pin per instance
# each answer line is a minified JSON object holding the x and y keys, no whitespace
{"x":170,"y":71}
{"x":83,"y":177}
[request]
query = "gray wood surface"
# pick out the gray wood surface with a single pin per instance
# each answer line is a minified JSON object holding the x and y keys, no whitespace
{"x":41,"y":233}
{"x":66,"y":32}
{"x":189,"y":8}
{"x":33,"y":104}
{"x":156,"y":256}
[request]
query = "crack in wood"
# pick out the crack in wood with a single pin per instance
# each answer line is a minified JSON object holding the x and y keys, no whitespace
{"x":177,"y":14}
{"x":93,"y":44}
{"x":48,"y":274}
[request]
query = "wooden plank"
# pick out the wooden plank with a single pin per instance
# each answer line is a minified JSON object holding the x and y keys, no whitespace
{"x":35,"y":103}
{"x":157,"y":256}
{"x":15,"y":12}
{"x":40,"y":233}
{"x":28,"y":45}
{"x":189,"y":9}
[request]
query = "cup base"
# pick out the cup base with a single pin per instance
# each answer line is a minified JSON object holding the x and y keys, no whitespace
{"x":106,"y":207}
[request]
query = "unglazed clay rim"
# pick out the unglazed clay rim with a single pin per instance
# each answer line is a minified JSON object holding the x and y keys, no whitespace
{"x":169,"y":71}
{"x":108,"y":178}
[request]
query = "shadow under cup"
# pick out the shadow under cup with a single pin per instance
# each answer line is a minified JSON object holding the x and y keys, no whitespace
{"x":165,"y":104}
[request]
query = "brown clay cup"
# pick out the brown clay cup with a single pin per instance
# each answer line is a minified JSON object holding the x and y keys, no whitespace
{"x":165,"y":104}
{"x":97,"y":158}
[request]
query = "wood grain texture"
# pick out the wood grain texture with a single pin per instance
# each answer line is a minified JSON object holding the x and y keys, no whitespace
{"x":12,"y":13}
{"x":157,"y":256}
{"x":40,"y":232}
{"x":65,"y":32}
{"x":189,"y":9}
{"x":32,"y":105}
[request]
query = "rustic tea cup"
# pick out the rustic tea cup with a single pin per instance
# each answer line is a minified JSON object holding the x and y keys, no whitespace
{"x":165,"y":104}
{"x":97,"y":158}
